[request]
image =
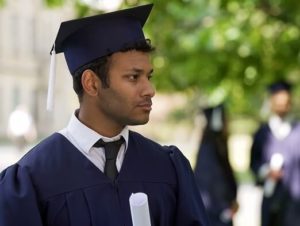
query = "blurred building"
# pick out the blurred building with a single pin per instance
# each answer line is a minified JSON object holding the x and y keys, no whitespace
{"x":28,"y":29}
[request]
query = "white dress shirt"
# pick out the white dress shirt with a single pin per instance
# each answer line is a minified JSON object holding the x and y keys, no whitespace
{"x":83,"y":138}
{"x":280,"y":128}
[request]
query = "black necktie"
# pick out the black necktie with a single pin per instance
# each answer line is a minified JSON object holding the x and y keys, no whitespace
{"x":111,"y":153}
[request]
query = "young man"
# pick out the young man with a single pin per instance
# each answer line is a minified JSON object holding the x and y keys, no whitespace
{"x":275,"y":160}
{"x":85,"y":174}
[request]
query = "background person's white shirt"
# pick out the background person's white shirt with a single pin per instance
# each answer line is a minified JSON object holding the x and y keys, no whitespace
{"x":280,"y":128}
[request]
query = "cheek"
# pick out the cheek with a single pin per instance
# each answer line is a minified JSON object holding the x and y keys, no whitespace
{"x":123,"y":99}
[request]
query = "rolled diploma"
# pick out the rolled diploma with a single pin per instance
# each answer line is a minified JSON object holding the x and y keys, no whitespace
{"x":276,"y":164}
{"x":139,"y":209}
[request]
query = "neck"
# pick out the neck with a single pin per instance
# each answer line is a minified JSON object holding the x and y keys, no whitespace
{"x":94,"y":121}
{"x":281,"y":116}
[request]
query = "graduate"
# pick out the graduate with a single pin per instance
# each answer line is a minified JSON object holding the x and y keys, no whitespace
{"x":213,"y":172}
{"x":275,"y":160}
{"x":84,"y":174}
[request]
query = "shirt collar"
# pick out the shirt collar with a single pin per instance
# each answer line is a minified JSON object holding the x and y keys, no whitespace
{"x":280,"y":128}
{"x":85,"y":137}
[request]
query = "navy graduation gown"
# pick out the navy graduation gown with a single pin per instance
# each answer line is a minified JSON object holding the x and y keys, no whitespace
{"x":283,"y":207}
{"x":214,"y":177}
{"x":55,"y":185}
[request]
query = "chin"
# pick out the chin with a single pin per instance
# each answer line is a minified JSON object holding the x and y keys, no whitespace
{"x":138,"y":122}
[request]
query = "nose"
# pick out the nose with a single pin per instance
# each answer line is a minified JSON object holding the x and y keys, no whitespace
{"x":148,"y":89}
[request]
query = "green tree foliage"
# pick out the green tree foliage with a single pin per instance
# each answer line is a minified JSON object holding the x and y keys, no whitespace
{"x":226,"y":49}
{"x":54,"y":3}
{"x":223,"y":49}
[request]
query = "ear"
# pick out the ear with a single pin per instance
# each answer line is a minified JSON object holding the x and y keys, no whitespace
{"x":90,"y":82}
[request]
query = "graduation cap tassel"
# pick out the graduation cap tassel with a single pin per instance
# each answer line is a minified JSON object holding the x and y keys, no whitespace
{"x":52,"y":75}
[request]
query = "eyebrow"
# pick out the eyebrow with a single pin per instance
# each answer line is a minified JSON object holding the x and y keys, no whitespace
{"x":141,"y":70}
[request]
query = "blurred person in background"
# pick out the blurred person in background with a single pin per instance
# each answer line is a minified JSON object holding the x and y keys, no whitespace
{"x":213,"y":172}
{"x":21,"y":128}
{"x":84,"y":174}
{"x":275,"y":160}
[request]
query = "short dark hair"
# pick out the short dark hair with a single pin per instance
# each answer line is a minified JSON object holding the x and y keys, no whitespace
{"x":101,"y":65}
{"x":279,"y":85}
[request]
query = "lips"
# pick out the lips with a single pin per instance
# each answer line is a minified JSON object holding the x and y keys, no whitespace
{"x":146,"y":105}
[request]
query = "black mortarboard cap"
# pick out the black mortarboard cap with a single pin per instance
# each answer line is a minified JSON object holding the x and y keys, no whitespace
{"x":86,"y":39}
{"x":279,"y":86}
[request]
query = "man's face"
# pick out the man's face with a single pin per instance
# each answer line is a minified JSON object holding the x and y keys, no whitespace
{"x":127,"y":101}
{"x":281,"y":103}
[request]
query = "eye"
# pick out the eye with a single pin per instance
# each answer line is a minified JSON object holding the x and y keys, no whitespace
{"x":133,"y":77}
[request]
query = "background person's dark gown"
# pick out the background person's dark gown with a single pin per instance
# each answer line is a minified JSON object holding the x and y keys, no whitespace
{"x":214,"y":175}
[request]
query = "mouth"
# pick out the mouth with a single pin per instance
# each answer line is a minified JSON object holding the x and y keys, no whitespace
{"x":146,"y":105}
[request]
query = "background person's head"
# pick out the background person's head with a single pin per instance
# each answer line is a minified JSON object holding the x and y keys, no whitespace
{"x":280,"y":98}
{"x":216,"y":121}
